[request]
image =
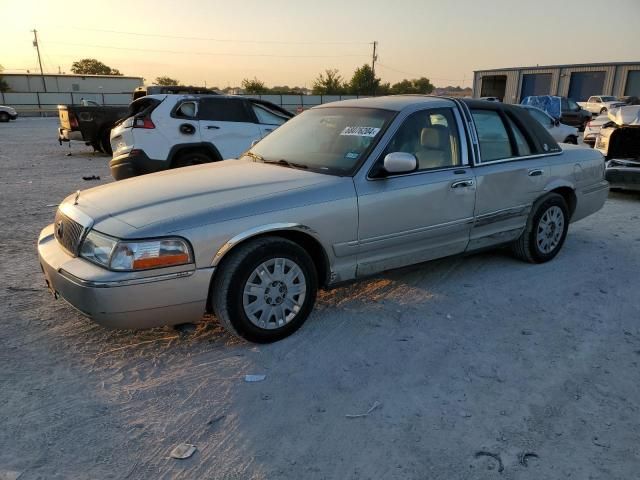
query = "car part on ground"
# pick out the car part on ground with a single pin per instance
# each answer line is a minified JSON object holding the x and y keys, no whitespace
{"x":313,"y":205}
{"x":168,"y":131}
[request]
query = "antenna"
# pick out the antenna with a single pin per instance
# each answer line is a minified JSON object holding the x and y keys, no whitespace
{"x":35,"y":44}
{"x":374,"y":57}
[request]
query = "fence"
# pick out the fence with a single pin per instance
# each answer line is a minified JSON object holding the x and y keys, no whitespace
{"x":44,"y":103}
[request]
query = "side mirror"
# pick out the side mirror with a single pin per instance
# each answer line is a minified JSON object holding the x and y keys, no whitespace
{"x":400,"y":162}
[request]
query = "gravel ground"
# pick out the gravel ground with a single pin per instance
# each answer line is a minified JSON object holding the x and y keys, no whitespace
{"x":462,"y":356}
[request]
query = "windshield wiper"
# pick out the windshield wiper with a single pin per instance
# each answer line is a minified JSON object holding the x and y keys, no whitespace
{"x":287,"y":163}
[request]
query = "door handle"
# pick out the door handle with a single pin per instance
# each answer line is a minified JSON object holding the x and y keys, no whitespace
{"x":213,"y":127}
{"x":463,"y":183}
{"x":536,"y":172}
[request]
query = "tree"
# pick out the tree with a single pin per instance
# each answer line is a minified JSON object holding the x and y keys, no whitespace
{"x":167,"y":81}
{"x":91,"y":66}
{"x":254,"y":86}
{"x":364,"y":83}
{"x":417,"y":85}
{"x":329,"y":83}
{"x":4,"y":86}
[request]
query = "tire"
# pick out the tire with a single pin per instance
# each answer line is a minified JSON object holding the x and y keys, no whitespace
{"x":238,"y":310}
{"x":572,"y":139}
{"x":603,"y":110}
{"x":189,"y":158}
{"x":97,"y":147}
{"x":105,"y":143}
{"x":538,"y":244}
{"x":4,"y":117}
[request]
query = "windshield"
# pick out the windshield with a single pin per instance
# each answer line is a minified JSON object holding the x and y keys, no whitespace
{"x":608,"y":99}
{"x":328,"y":140}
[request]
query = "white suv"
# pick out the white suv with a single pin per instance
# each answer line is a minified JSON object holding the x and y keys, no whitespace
{"x":169,"y":131}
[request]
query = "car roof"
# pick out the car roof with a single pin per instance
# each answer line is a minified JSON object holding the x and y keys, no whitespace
{"x":392,"y":102}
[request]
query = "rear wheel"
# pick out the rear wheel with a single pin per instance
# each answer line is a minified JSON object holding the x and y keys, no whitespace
{"x":4,"y":117}
{"x":603,"y":111}
{"x":105,"y":143}
{"x":189,"y":158}
{"x":546,"y":230}
{"x":265,"y":290}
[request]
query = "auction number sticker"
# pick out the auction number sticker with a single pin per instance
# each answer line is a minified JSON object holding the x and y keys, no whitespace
{"x":360,"y":131}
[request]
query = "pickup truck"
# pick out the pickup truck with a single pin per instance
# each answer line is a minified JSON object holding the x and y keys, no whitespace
{"x":340,"y":192}
{"x":600,"y":104}
{"x":91,"y":123}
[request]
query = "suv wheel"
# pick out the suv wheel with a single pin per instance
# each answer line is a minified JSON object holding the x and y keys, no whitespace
{"x":192,"y":157}
{"x":603,"y":110}
{"x":4,"y":117}
{"x":265,"y":290}
{"x":546,"y":230}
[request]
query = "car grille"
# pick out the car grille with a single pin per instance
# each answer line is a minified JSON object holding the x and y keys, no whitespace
{"x":68,"y":232}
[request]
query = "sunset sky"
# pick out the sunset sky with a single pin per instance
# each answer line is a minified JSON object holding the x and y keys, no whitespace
{"x":290,"y":42}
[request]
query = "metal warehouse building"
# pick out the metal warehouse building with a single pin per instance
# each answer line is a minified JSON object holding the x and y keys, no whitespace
{"x":578,"y":81}
{"x":62,"y":83}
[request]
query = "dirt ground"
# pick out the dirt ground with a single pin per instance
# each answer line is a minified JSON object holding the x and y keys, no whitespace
{"x":464,"y":357}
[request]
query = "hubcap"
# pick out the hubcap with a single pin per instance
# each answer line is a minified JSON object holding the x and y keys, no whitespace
{"x":274,"y":293}
{"x":550,"y":229}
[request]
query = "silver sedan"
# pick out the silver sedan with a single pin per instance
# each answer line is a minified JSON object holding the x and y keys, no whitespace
{"x":340,"y":192}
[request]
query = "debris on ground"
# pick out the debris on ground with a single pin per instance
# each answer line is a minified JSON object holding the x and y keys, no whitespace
{"x":375,"y":405}
{"x":185,"y":328}
{"x":182,"y":451}
{"x":495,"y":456}
{"x":525,"y":456}
{"x":92,"y":177}
{"x":599,"y":443}
{"x":215,"y":419}
{"x":254,"y":378}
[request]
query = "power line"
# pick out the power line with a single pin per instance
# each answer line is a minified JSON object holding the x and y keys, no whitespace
{"x":213,"y":54}
{"x":227,"y":40}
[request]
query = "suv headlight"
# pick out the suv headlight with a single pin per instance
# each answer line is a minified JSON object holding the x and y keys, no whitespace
{"x":124,"y":255}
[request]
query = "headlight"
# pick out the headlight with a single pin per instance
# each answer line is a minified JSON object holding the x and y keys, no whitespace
{"x":98,"y":248}
{"x":135,"y":255}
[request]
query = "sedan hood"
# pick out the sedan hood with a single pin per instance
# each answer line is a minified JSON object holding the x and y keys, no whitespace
{"x":158,"y":197}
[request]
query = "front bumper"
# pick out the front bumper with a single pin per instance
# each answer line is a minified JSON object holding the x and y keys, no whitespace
{"x":623,"y":174}
{"x":134,"y":163}
{"x":130,"y":300}
{"x":66,"y":135}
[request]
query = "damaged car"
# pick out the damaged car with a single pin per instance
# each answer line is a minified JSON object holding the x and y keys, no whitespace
{"x":619,"y":142}
{"x":340,"y":192}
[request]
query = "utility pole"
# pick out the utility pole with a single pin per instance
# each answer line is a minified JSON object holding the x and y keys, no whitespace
{"x":35,"y":44}
{"x":374,"y":57}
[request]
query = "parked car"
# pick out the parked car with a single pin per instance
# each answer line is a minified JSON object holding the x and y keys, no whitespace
{"x":89,"y":124}
{"x":562,"y":108}
{"x":630,"y":100}
{"x":559,"y":131}
{"x":342,"y":191}
{"x":619,"y":142}
{"x":7,"y":113}
{"x":592,"y":130}
{"x":599,"y":104}
{"x":169,"y":131}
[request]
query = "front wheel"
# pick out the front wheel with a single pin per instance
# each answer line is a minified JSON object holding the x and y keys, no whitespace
{"x":265,"y":290}
{"x":546,"y":230}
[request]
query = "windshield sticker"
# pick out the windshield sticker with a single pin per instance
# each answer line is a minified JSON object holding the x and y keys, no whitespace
{"x":352,"y":155}
{"x":360,"y":131}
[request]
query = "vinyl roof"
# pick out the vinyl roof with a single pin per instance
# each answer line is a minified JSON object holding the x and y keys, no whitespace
{"x":391,"y":102}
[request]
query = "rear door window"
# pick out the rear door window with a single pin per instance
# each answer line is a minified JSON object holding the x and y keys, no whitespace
{"x":267,"y":117}
{"x":492,"y":135}
{"x":224,"y":110}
